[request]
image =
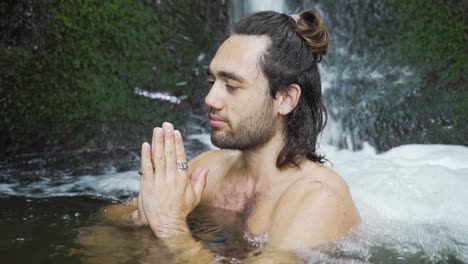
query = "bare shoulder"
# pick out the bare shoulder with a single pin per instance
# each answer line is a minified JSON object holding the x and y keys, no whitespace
{"x":319,"y":173}
{"x":207,"y":156}
{"x":315,"y":183}
{"x":318,"y":182}
{"x":214,"y":160}
{"x":218,"y":163}
{"x":317,"y":202}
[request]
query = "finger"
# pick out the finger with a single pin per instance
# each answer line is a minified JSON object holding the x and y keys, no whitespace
{"x":159,"y":155}
{"x":169,"y":148}
{"x":146,"y":165}
{"x":194,"y":176}
{"x":199,"y":186}
{"x":180,"y":150}
{"x":139,"y":202}
{"x":153,"y":147}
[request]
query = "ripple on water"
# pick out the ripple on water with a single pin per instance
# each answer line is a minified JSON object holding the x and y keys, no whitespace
{"x":412,"y":200}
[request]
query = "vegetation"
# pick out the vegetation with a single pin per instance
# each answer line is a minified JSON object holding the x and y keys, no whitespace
{"x":431,"y":38}
{"x":70,"y":68}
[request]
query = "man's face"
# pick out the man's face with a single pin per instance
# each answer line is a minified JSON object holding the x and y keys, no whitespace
{"x":242,"y":112}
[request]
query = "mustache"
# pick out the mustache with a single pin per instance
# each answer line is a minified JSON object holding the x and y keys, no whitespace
{"x":213,"y":114}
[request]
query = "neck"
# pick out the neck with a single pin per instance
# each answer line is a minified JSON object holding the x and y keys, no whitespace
{"x":260,"y":163}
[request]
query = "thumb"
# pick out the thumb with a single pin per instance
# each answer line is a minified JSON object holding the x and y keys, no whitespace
{"x":200,"y":183}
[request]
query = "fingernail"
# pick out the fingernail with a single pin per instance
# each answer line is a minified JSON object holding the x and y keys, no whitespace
{"x":158,"y":131}
{"x":168,"y":127}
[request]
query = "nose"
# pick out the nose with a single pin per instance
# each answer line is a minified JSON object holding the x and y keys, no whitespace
{"x":213,"y":99}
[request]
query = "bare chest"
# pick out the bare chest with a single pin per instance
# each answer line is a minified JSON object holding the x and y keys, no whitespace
{"x":254,"y":209}
{"x":234,"y":196}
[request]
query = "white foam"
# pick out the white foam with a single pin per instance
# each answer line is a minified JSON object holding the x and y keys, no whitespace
{"x":113,"y":185}
{"x":411,"y":198}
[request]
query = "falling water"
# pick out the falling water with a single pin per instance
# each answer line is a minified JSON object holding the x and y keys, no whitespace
{"x":238,"y":9}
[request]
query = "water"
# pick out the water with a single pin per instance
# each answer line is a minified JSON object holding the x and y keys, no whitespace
{"x":412,"y":200}
{"x":238,"y":9}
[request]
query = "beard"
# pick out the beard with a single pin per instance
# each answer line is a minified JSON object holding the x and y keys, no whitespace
{"x":253,"y":131}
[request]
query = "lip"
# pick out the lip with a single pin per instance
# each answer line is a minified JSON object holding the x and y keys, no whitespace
{"x":216,"y":121}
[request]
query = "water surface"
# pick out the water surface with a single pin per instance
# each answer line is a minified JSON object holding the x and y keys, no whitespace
{"x":412,"y":200}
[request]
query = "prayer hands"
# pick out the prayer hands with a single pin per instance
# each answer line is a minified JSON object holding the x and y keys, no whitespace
{"x":167,"y":194}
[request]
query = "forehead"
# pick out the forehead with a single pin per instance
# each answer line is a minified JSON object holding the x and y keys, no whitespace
{"x":240,"y":54}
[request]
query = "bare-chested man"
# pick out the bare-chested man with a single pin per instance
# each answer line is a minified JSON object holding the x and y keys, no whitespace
{"x":266,"y":112}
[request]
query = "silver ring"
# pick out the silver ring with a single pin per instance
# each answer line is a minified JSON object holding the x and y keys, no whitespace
{"x":182,"y":165}
{"x":139,"y":172}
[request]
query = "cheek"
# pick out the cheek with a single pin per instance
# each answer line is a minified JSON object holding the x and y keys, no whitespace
{"x":247,"y":106}
{"x":235,"y":114}
{"x":236,"y":107}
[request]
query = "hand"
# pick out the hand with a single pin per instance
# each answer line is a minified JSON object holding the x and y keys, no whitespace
{"x":168,"y":195}
{"x":138,"y":216}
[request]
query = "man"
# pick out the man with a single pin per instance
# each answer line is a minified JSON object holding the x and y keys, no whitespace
{"x":266,"y":113}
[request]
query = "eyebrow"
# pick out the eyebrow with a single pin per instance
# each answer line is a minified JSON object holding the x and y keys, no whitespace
{"x":227,"y":75}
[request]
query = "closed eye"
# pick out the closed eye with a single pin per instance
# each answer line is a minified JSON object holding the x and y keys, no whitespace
{"x":231,"y":87}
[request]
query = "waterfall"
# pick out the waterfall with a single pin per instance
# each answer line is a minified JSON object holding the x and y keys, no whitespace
{"x":239,"y":9}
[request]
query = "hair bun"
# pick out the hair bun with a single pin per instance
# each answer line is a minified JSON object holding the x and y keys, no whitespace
{"x":313,"y":30}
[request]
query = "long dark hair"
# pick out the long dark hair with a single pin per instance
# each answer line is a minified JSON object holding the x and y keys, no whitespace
{"x":297,"y":45}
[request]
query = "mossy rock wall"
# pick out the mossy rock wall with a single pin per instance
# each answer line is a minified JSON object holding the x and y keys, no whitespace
{"x":70,"y":68}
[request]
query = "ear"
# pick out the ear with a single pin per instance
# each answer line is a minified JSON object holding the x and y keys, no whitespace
{"x":289,"y":99}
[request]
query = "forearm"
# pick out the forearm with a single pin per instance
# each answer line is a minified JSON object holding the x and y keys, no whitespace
{"x":118,"y":213}
{"x":267,"y":256}
{"x":187,"y":250}
{"x":176,"y":236}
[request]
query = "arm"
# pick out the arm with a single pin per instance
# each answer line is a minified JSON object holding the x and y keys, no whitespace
{"x":120,"y":213}
{"x":308,"y":214}
{"x":187,"y":250}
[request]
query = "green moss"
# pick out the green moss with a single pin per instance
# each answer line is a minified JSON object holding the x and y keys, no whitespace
{"x":70,"y":68}
{"x":432,"y":36}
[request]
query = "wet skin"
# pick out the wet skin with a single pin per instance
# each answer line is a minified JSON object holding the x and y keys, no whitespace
{"x":297,"y":207}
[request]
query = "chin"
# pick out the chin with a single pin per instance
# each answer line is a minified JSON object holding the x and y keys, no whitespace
{"x":218,"y":139}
